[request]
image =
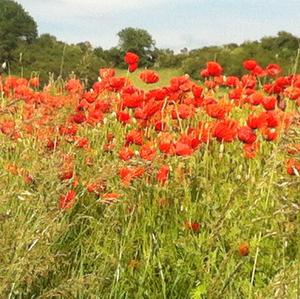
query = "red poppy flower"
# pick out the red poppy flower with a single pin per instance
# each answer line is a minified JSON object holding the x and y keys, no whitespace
{"x":197,"y":91}
{"x":123,"y":117}
{"x":97,"y":186}
{"x":66,"y":174}
{"x":82,"y":142}
{"x":258,"y":71}
{"x":214,"y":68}
{"x":256,"y":122}
{"x":249,"y":64}
{"x":246,"y":135}
{"x":273,"y":69}
{"x":272,"y":118}
{"x":269,"y":103}
{"x":244,"y":249}
{"x":129,"y":173}
{"x":116,"y":84}
{"x":250,"y":150}
{"x":232,"y":81}
{"x":218,"y":111}
{"x":149,"y":76}
{"x":67,"y":201}
{"x":95,"y":116}
{"x":131,"y":58}
{"x":134,"y":137}
{"x":7,"y":127}
{"x":78,"y":118}
{"x":269,"y":134}
{"x":248,"y":81}
{"x":34,"y":82}
{"x":74,"y":86}
{"x":132,"y":67}
{"x":204,"y":73}
{"x":106,"y":73}
{"x":293,"y":166}
{"x":147,"y":152}
{"x":183,"y":149}
{"x":132,"y":100}
{"x":162,"y":174}
{"x":226,"y":130}
{"x":109,"y":198}
{"x":193,"y":226}
{"x":126,"y":153}
{"x":183,"y":111}
{"x":256,"y":98}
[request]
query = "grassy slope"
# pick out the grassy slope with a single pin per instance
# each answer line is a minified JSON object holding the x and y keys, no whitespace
{"x":164,"y":74}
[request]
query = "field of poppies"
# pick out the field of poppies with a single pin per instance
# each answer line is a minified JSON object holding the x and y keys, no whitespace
{"x":189,"y":190}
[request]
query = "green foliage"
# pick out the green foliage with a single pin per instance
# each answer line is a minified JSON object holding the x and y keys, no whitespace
{"x":28,"y":54}
{"x":167,"y":59}
{"x":49,"y":57}
{"x":138,"y":41}
{"x":16,"y":27}
{"x":139,"y":248}
{"x":281,"y":49}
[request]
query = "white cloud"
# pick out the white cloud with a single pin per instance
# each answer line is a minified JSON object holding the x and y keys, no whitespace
{"x":79,"y":8}
{"x":172,"y":23}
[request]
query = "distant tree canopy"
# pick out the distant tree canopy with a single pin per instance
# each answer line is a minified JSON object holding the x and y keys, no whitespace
{"x":138,"y":41}
{"x":44,"y":55}
{"x":281,"y":49}
{"x":16,"y":27}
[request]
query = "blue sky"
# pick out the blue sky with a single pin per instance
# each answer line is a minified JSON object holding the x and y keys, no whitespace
{"x":173,"y":24}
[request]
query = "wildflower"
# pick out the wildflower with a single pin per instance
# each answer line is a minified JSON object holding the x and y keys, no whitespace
{"x":149,"y":76}
{"x":269,"y":134}
{"x":74,"y":86}
{"x":126,"y":153}
{"x":97,"y":186}
{"x":192,"y":226}
{"x":293,"y":166}
{"x":269,"y":103}
{"x":273,"y":69}
{"x":226,"y":130}
{"x":109,"y":198}
{"x":162,"y":174}
{"x":244,"y":249}
{"x":34,"y":82}
{"x":127,"y":174}
{"x":67,"y":201}
{"x":246,"y":135}
{"x":132,"y":67}
{"x":214,"y":68}
{"x":123,"y":117}
{"x":147,"y":152}
{"x":249,"y":64}
{"x":134,"y":137}
{"x":106,"y":73}
{"x":131,"y":58}
{"x":78,"y":118}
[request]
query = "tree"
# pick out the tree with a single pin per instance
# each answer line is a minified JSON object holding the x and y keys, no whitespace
{"x":138,"y":41}
{"x":16,"y":27}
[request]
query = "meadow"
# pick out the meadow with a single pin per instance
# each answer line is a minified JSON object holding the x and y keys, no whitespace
{"x":177,"y":188}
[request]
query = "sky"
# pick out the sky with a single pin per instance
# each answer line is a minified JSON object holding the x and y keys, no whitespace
{"x":173,"y":24}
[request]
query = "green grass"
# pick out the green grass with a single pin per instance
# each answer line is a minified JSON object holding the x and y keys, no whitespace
{"x":164,"y":74}
{"x":140,"y":247}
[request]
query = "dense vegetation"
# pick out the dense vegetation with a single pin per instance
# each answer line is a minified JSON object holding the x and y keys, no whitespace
{"x":148,"y":185}
{"x":181,"y":191}
{"x":27,"y":52}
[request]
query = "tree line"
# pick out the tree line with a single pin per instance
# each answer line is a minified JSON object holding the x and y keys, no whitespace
{"x":28,"y":53}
